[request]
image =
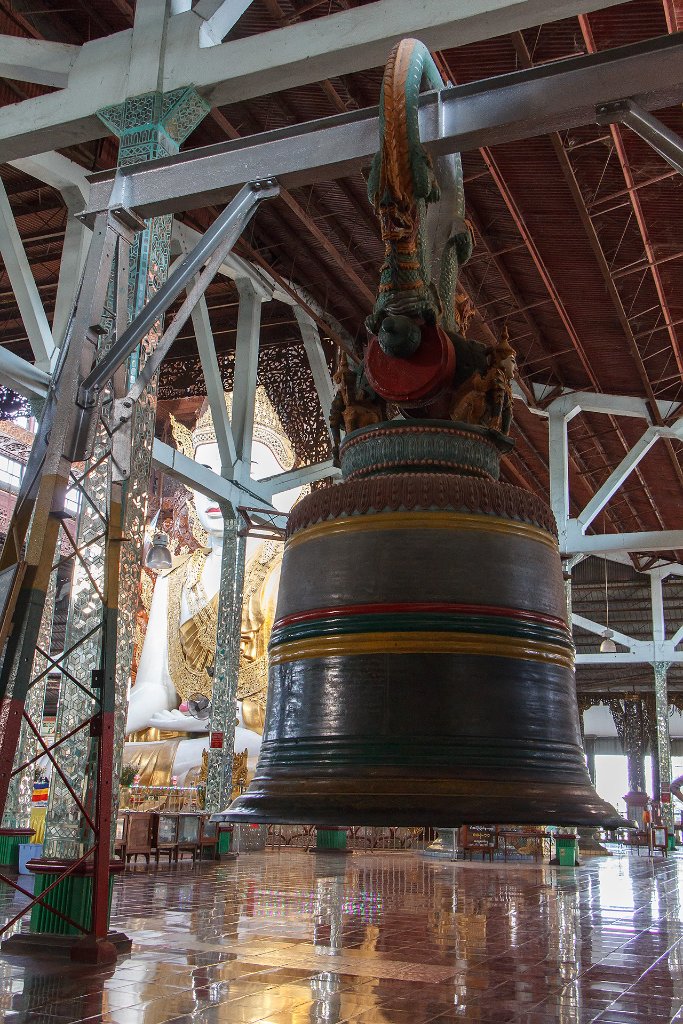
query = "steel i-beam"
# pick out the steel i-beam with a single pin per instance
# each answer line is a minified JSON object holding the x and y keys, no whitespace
{"x":508,"y":107}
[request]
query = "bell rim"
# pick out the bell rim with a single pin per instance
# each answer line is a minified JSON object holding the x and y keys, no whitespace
{"x":438,"y":803}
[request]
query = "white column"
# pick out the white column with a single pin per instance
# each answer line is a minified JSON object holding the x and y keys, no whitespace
{"x":24,"y":285}
{"x":246,"y":369}
{"x":558,"y":461}
{"x":214,"y":387}
{"x":316,"y":358}
{"x":75,"y":249}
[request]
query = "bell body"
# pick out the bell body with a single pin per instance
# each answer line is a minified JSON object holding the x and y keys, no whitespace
{"x":421,"y":668}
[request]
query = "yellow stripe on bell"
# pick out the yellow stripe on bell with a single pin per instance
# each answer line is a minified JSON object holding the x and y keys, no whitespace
{"x":420,"y":642}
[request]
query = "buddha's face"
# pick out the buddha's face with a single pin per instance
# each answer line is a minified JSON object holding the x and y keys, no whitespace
{"x":208,"y":511}
{"x":264,"y":463}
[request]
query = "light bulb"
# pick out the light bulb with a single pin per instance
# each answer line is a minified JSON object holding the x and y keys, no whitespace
{"x":159,"y":555}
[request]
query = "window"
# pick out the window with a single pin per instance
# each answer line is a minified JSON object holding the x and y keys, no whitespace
{"x":11,"y":472}
{"x":72,"y":502}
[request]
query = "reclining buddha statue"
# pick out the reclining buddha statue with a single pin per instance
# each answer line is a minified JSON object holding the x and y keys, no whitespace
{"x":164,"y":741}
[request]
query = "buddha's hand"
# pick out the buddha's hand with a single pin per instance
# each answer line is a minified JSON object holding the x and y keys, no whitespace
{"x":178,"y":721}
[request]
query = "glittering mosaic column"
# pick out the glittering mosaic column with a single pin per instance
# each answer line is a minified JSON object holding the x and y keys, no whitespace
{"x":65,"y":829}
{"x":627,"y":715}
{"x":20,"y":794}
{"x":149,"y":127}
{"x":634,"y":745}
{"x":663,"y":742}
{"x":226,"y":666}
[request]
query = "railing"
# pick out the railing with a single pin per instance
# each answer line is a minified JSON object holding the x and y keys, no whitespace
{"x":500,"y":843}
{"x":159,"y":798}
{"x":358,"y":837}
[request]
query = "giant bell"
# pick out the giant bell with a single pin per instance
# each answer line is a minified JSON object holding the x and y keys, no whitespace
{"x":421,"y":667}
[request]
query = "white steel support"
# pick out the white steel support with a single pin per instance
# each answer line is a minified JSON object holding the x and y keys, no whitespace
{"x":635,"y":646}
{"x":622,"y":471}
{"x":572,"y":536}
{"x":341,"y":43}
{"x":604,"y":543}
{"x":57,"y":171}
{"x":317,"y":361}
{"x":621,"y":658}
{"x":23,"y":377}
{"x":74,"y":251}
{"x":36,"y":60}
{"x":657,"y":604}
{"x":609,"y":405}
{"x":357,"y":39}
{"x":70,"y":179}
{"x":246,"y":370}
{"x":146,"y":61}
{"x":203,"y":479}
{"x":24,"y":285}
{"x":657,"y":649}
{"x":616,"y":478}
{"x":219,"y":17}
{"x":558,"y":461}
{"x":214,"y":387}
{"x":271,"y":485}
{"x":677,"y":637}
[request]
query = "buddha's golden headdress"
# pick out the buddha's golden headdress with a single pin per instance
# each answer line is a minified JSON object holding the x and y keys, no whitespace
{"x":268,"y":429}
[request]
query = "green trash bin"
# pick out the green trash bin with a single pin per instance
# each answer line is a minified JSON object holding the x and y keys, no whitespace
{"x":671,"y":841}
{"x":566,"y":847}
{"x":330,"y":839}
{"x":225,"y":839}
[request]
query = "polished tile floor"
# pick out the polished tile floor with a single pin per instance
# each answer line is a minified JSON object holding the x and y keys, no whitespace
{"x":296,"y":938}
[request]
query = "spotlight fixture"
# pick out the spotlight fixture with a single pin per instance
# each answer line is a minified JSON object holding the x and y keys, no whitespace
{"x":199,"y":707}
{"x":159,"y":555}
{"x":608,"y":645}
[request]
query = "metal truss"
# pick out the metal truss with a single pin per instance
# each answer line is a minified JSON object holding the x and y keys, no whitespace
{"x":574,"y":538}
{"x":514,"y":106}
{"x":256,"y":523}
{"x":164,"y":45}
{"x":83,"y":447}
{"x":657,"y":135}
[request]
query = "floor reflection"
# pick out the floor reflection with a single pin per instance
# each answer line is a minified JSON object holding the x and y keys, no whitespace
{"x":293,"y":938}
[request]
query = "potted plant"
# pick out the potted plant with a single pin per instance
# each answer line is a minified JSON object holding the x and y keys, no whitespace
{"x":126,"y":780}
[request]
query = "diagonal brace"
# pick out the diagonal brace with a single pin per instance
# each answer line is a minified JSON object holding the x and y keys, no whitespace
{"x":663,"y":140}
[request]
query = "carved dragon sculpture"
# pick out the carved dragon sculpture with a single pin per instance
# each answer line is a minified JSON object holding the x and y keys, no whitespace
{"x":415,"y":358}
{"x":421,"y":259}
